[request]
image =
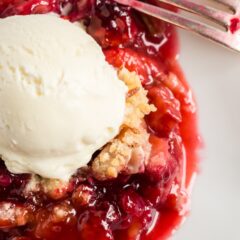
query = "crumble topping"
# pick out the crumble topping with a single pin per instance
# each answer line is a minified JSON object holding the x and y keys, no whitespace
{"x":137,"y":105}
{"x":12,"y":215}
{"x":53,"y":188}
{"x":130,"y":150}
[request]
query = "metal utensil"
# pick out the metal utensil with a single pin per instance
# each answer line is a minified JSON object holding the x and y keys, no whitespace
{"x":229,"y":36}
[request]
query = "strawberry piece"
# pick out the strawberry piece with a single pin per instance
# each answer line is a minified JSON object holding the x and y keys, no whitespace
{"x":161,"y":169}
{"x":48,"y":221}
{"x":112,"y":25}
{"x":78,"y":9}
{"x":162,"y":162}
{"x":24,"y":7}
{"x":147,"y":68}
{"x":92,"y":225}
{"x":168,"y":114}
{"x":132,"y":203}
{"x":159,"y":155}
{"x":83,"y":196}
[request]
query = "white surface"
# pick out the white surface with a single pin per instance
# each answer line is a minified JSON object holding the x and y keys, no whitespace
{"x":214,"y":74}
{"x":60,"y":100}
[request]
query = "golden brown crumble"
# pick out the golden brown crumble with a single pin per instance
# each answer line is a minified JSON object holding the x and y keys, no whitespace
{"x":137,"y":105}
{"x":53,"y":188}
{"x":12,"y":215}
{"x":130,"y":150}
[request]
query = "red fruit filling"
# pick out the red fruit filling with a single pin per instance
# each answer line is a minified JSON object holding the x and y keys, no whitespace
{"x":148,"y":205}
{"x":235,"y":25}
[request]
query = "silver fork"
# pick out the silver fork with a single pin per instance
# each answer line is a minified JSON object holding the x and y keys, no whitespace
{"x":229,"y":36}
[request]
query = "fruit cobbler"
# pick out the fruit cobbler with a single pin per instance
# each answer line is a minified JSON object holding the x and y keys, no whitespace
{"x":108,"y":151}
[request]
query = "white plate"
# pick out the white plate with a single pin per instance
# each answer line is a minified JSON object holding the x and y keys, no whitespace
{"x":214,"y":74}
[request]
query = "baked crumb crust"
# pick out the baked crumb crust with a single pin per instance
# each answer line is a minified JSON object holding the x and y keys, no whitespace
{"x":130,"y":150}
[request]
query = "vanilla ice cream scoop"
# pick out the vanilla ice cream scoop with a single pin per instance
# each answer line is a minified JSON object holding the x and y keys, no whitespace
{"x":60,"y":101}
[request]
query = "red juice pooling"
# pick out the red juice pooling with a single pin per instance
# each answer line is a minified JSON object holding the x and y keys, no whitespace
{"x":146,"y":206}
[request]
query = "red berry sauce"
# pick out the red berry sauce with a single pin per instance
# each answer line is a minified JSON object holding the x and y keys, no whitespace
{"x":146,"y":206}
{"x":235,"y":25}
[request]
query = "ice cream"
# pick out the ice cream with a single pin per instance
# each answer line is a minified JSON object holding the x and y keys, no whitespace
{"x":60,"y":101}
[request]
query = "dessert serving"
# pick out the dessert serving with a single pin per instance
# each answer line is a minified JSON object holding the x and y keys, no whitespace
{"x":98,"y":133}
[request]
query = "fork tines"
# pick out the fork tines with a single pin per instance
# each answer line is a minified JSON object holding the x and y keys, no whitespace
{"x":229,"y":37}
